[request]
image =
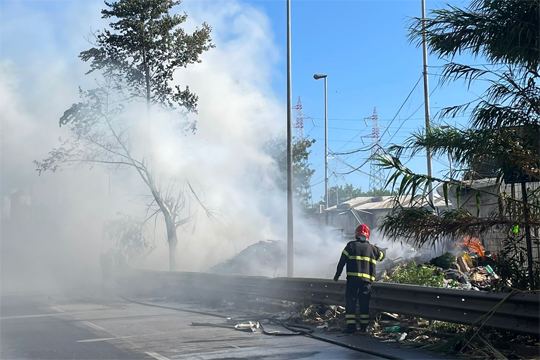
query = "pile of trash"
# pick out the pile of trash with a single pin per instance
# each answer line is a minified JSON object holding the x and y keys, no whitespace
{"x":265,"y":258}
{"x":476,"y":278}
{"x":472,"y":269}
{"x":321,"y":312}
{"x":468,"y":268}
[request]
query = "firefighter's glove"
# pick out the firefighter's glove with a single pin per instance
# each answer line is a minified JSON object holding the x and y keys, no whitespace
{"x":336,"y":277}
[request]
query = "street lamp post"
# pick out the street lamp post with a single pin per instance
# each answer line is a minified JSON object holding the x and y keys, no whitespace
{"x":317,"y":77}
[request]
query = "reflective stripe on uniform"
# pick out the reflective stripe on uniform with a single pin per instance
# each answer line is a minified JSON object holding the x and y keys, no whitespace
{"x":350,"y":316}
{"x":363,"y":316}
{"x":367,"y":276}
{"x":345,"y":252}
{"x":351,"y":321}
{"x":381,"y":255}
{"x":364,"y":321}
{"x":365,"y":258}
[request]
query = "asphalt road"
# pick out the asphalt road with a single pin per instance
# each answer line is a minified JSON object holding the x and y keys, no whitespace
{"x":91,"y":326}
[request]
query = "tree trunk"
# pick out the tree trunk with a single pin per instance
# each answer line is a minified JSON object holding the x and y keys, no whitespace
{"x":173,"y":241}
{"x":169,"y":222}
{"x":172,"y":254}
{"x":148,"y":102}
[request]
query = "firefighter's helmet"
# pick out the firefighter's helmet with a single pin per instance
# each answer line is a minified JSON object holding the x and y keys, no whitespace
{"x":363,"y":229}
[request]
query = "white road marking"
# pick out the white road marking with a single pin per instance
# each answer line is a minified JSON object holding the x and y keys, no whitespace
{"x":102,"y":339}
{"x":40,"y":315}
{"x":87,"y":323}
{"x":121,"y":337}
{"x":94,"y":326}
{"x":156,"y":355}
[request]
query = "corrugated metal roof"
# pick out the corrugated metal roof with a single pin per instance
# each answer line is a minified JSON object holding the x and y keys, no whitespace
{"x":386,"y":202}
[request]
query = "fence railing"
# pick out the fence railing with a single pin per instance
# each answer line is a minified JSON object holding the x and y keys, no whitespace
{"x":518,"y":312}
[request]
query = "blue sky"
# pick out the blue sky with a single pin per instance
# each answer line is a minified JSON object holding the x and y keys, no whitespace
{"x":362,"y":46}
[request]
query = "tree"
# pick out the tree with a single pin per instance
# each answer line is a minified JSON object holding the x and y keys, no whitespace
{"x":131,"y":236}
{"x":302,"y":173}
{"x":144,"y":49}
{"x":137,"y":58}
{"x":504,"y":130}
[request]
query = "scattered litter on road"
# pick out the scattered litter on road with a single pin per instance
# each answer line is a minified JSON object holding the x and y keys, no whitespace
{"x":392,"y":329}
{"x":400,"y":338}
{"x":250,"y":326}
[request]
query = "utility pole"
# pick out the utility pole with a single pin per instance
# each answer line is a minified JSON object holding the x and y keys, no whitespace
{"x":290,"y":232}
{"x":326,"y":141}
{"x":426,"y":96}
{"x":317,"y":77}
{"x":528,"y":241}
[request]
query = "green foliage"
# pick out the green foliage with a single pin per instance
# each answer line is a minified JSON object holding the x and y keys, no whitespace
{"x":509,"y":265}
{"x":444,"y":261}
{"x":497,"y":146}
{"x":500,"y":31}
{"x":445,"y":327}
{"x":413,"y":274}
{"x":143,"y":48}
{"x":302,"y":173}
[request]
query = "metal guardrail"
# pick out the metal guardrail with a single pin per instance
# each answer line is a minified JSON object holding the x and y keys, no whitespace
{"x":518,"y":313}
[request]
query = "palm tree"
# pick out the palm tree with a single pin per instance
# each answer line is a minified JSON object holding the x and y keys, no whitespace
{"x":504,"y":122}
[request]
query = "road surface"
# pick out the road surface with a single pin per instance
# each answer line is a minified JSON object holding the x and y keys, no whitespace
{"x":91,"y":326}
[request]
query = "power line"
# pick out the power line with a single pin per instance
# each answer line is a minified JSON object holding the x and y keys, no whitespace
{"x":340,"y":141}
{"x":403,"y":122}
{"x":358,"y":169}
{"x":402,"y":105}
{"x":348,"y":129}
{"x":350,"y":152}
{"x":351,"y":140}
{"x":354,"y":119}
{"x":320,"y":182}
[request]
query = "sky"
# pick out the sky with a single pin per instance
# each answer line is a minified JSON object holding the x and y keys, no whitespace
{"x":363,"y":48}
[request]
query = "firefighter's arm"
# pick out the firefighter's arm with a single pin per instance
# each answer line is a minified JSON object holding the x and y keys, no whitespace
{"x":341,"y":264}
{"x":380,"y":253}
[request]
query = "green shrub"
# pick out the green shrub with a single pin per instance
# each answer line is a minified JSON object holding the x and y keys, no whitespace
{"x":444,"y":261}
{"x":424,"y":275}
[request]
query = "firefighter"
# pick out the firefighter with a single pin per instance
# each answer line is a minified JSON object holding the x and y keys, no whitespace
{"x":361,"y":258}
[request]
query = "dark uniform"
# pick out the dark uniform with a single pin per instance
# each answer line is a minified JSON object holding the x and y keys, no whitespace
{"x":361,"y":258}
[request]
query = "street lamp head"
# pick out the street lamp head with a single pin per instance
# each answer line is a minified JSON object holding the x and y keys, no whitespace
{"x":319,"y":76}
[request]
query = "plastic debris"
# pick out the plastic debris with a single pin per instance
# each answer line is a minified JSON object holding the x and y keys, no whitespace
{"x":392,"y":329}
{"x":250,"y":326}
{"x":400,"y":338}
